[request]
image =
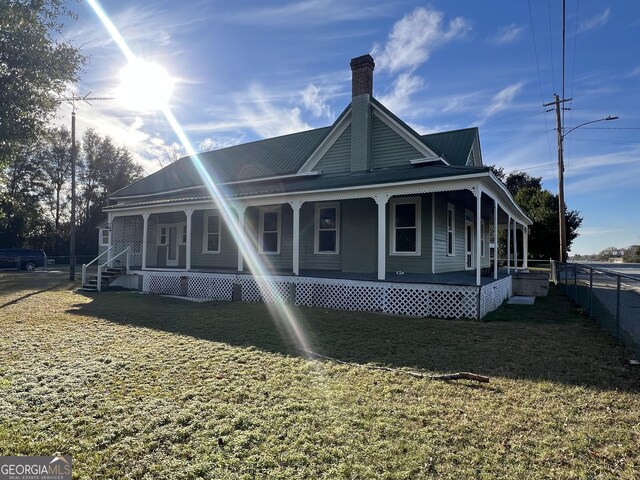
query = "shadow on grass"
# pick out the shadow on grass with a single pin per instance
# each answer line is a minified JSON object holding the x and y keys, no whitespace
{"x":31,"y":283}
{"x":548,"y":341}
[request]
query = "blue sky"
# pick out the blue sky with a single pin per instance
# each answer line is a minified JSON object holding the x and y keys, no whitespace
{"x":248,"y":70}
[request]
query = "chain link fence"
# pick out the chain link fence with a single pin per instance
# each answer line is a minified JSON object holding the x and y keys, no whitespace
{"x":609,"y":297}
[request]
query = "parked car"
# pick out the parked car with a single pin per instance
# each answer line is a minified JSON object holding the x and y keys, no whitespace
{"x":26,"y":258}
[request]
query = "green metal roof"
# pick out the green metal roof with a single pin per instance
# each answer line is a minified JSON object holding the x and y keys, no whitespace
{"x":305,"y":184}
{"x":455,"y":145}
{"x":263,"y":158}
{"x":281,"y":156}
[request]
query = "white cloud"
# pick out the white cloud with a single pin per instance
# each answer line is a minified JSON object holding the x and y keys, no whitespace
{"x":399,"y":99}
{"x":138,"y":25}
{"x":595,"y":22}
{"x":266,"y":119}
{"x":635,"y":72}
{"x":209,"y":144}
{"x":309,"y":12}
{"x":502,"y":100}
{"x":416,"y":35}
{"x":316,"y":102}
{"x":507,"y":34}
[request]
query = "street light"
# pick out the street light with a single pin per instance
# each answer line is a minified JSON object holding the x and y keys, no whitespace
{"x":561,"y":207}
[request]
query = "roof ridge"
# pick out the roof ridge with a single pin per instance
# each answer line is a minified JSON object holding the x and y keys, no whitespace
{"x":260,"y":140}
{"x":449,"y":131}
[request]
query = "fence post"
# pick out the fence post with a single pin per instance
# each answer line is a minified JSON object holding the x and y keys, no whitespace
{"x":618,"y":310}
{"x":566,"y":278}
{"x":590,"y":292}
{"x":575,"y":281}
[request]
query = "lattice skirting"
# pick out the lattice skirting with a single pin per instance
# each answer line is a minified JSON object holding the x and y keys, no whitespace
{"x":493,"y":294}
{"x":419,"y":300}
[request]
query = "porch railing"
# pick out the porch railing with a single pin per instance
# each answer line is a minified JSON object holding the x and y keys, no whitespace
{"x":107,"y":264}
{"x":85,"y":266}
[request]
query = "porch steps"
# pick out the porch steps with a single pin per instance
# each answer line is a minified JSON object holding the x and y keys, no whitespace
{"x":108,"y":276}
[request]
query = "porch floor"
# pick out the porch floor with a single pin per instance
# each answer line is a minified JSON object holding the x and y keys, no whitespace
{"x":464,"y":277}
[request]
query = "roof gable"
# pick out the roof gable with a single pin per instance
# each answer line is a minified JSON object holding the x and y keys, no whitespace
{"x":457,"y":146}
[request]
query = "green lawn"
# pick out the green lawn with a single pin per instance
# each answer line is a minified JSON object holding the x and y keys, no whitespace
{"x":137,"y":386}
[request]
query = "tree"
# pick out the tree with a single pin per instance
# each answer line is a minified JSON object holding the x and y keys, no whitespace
{"x":35,"y":68}
{"x":541,"y":206}
{"x":21,"y":216}
{"x":632,"y":254}
{"x":103,"y":169}
{"x":55,"y":161}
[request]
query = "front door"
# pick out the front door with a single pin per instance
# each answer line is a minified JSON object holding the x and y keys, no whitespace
{"x":172,"y":246}
{"x":468,"y":242}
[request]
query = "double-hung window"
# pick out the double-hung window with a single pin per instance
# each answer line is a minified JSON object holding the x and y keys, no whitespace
{"x":162,"y":236}
{"x":269,"y":235}
{"x":327,"y":221}
{"x":211,"y":241}
{"x":451,"y":229}
{"x":482,"y":233}
{"x":405,"y":226}
{"x":105,"y":233}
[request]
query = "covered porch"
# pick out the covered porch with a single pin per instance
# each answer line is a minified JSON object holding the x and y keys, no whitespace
{"x":425,"y":233}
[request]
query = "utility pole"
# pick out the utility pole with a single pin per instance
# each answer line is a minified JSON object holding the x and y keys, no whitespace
{"x":561,"y":207}
{"x":74,"y":156}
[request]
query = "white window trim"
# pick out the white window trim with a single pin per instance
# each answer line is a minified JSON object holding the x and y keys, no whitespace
{"x":179,"y":228}
{"x":450,"y":208}
{"x":483,"y":245}
{"x":392,"y":224}
{"x":262,"y":211}
{"x":102,"y":230}
{"x":316,"y":238}
{"x":206,"y":232}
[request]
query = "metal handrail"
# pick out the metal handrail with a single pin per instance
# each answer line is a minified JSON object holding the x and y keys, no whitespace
{"x":100,"y":267}
{"x":85,"y":265}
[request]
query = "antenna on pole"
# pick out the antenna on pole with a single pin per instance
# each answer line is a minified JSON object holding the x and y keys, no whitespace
{"x":72,"y":234}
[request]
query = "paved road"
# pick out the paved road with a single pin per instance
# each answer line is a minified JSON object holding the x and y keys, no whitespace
{"x":632,"y":269}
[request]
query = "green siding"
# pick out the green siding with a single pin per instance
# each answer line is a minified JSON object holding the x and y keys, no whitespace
{"x":360,"y":134}
{"x":282,"y":262}
{"x":360,"y":227}
{"x":461,"y":201}
{"x":389,"y":148}
{"x":228,"y":256}
{"x":412,"y":263}
{"x":338,"y":157}
{"x":308,"y":259}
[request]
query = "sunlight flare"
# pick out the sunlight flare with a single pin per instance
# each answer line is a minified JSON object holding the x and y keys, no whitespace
{"x":144,"y":86}
{"x":282,"y":314}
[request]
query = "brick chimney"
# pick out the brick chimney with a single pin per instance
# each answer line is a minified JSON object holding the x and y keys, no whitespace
{"x":362,"y":75}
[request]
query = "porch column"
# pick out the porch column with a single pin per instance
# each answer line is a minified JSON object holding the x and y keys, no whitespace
{"x":240,"y":241}
{"x":188,"y":212}
{"x":382,"y":200}
{"x":478,"y":234}
{"x":145,"y":227}
{"x":495,"y":239}
{"x":508,"y":244}
{"x":295,"y":205}
{"x":525,"y":240}
{"x":515,"y":245}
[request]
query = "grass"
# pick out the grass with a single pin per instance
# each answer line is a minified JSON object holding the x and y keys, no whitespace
{"x":136,"y":386}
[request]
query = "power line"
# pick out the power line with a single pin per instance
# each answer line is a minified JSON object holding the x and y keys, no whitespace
{"x":553,"y":73}
{"x":535,"y":50}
